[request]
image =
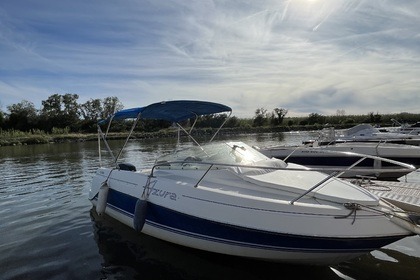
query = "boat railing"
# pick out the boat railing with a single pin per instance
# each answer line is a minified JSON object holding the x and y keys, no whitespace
{"x":334,"y":173}
{"x":309,"y":145}
{"x":404,"y":166}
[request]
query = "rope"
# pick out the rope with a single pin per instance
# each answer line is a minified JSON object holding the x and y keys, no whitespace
{"x":353,"y":207}
{"x":413,"y":217}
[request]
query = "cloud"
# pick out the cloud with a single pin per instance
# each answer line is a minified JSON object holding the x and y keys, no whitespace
{"x":304,"y":56}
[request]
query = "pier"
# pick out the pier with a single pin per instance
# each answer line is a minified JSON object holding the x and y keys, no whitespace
{"x":402,"y":194}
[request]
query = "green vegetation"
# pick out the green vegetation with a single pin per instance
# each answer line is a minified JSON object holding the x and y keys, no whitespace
{"x":62,"y":118}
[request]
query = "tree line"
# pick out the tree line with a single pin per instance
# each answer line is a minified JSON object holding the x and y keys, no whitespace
{"x":62,"y":112}
{"x":58,"y":112}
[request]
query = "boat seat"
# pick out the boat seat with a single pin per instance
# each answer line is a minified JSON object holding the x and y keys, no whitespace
{"x":126,"y":166}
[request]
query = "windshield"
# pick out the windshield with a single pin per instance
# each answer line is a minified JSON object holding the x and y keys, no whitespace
{"x":225,"y":153}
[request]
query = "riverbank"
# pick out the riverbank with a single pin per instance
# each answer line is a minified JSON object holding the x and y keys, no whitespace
{"x":30,"y":138}
{"x":45,"y":139}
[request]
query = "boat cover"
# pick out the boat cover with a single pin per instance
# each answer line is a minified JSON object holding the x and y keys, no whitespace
{"x":173,"y":111}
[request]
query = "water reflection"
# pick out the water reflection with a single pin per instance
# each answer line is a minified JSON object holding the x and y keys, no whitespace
{"x":134,"y":256}
{"x":383,"y":264}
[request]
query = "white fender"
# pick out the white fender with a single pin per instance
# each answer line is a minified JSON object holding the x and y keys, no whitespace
{"x":102,"y":198}
{"x":140,"y":214}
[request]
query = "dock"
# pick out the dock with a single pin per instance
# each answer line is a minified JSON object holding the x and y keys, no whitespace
{"x":402,"y":194}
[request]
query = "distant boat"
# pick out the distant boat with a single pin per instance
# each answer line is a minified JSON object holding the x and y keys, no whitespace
{"x":411,"y":129}
{"x":228,"y":198}
{"x":372,"y":156}
{"x":363,"y":133}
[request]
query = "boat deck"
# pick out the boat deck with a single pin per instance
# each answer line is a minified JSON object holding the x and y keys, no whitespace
{"x":403,"y":194}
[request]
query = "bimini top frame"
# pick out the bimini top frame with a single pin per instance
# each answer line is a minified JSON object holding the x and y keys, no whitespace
{"x":173,"y":111}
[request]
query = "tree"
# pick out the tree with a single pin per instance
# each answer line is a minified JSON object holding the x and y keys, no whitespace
{"x":213,"y":120}
{"x":277,"y":116}
{"x":315,"y":118}
{"x":110,"y":106}
{"x":260,"y":118}
{"x":96,"y":109}
{"x":71,"y":111}
{"x":23,"y":116}
{"x":91,"y":110}
{"x":372,"y":118}
{"x":1,"y":119}
{"x":51,"y":107}
{"x":71,"y":107}
{"x":233,"y":121}
{"x":60,"y":111}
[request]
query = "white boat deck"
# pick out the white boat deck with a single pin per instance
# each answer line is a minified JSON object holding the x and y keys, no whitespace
{"x":402,"y":194}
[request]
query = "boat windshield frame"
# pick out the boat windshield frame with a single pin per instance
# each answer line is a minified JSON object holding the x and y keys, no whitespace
{"x":176,"y":112}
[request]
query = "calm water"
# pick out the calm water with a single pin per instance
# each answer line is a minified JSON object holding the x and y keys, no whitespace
{"x":49,"y":231}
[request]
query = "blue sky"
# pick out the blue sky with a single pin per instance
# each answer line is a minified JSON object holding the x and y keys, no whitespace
{"x":306,"y":56}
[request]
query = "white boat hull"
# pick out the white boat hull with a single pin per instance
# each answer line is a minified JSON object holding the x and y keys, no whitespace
{"x":340,"y":155}
{"x":244,"y":221}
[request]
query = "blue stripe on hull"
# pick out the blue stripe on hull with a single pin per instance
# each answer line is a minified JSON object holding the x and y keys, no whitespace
{"x":191,"y":226}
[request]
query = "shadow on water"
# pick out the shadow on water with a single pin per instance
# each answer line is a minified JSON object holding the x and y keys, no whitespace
{"x":382,"y":264}
{"x":130,"y":255}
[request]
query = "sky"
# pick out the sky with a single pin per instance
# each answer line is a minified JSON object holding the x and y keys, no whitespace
{"x":305,"y":56}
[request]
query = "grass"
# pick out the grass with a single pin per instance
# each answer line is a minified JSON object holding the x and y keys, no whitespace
{"x":16,"y":137}
{"x":59,"y":135}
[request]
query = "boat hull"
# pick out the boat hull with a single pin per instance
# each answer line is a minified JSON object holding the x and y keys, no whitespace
{"x":341,"y":155}
{"x":240,"y":226}
{"x":227,"y":239}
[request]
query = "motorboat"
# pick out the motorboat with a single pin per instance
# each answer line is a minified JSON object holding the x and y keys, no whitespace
{"x":363,"y":133}
{"x":405,"y":128}
{"x":228,"y":198}
{"x":376,"y":160}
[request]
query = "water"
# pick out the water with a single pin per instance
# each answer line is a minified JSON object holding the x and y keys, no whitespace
{"x":49,"y":231}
